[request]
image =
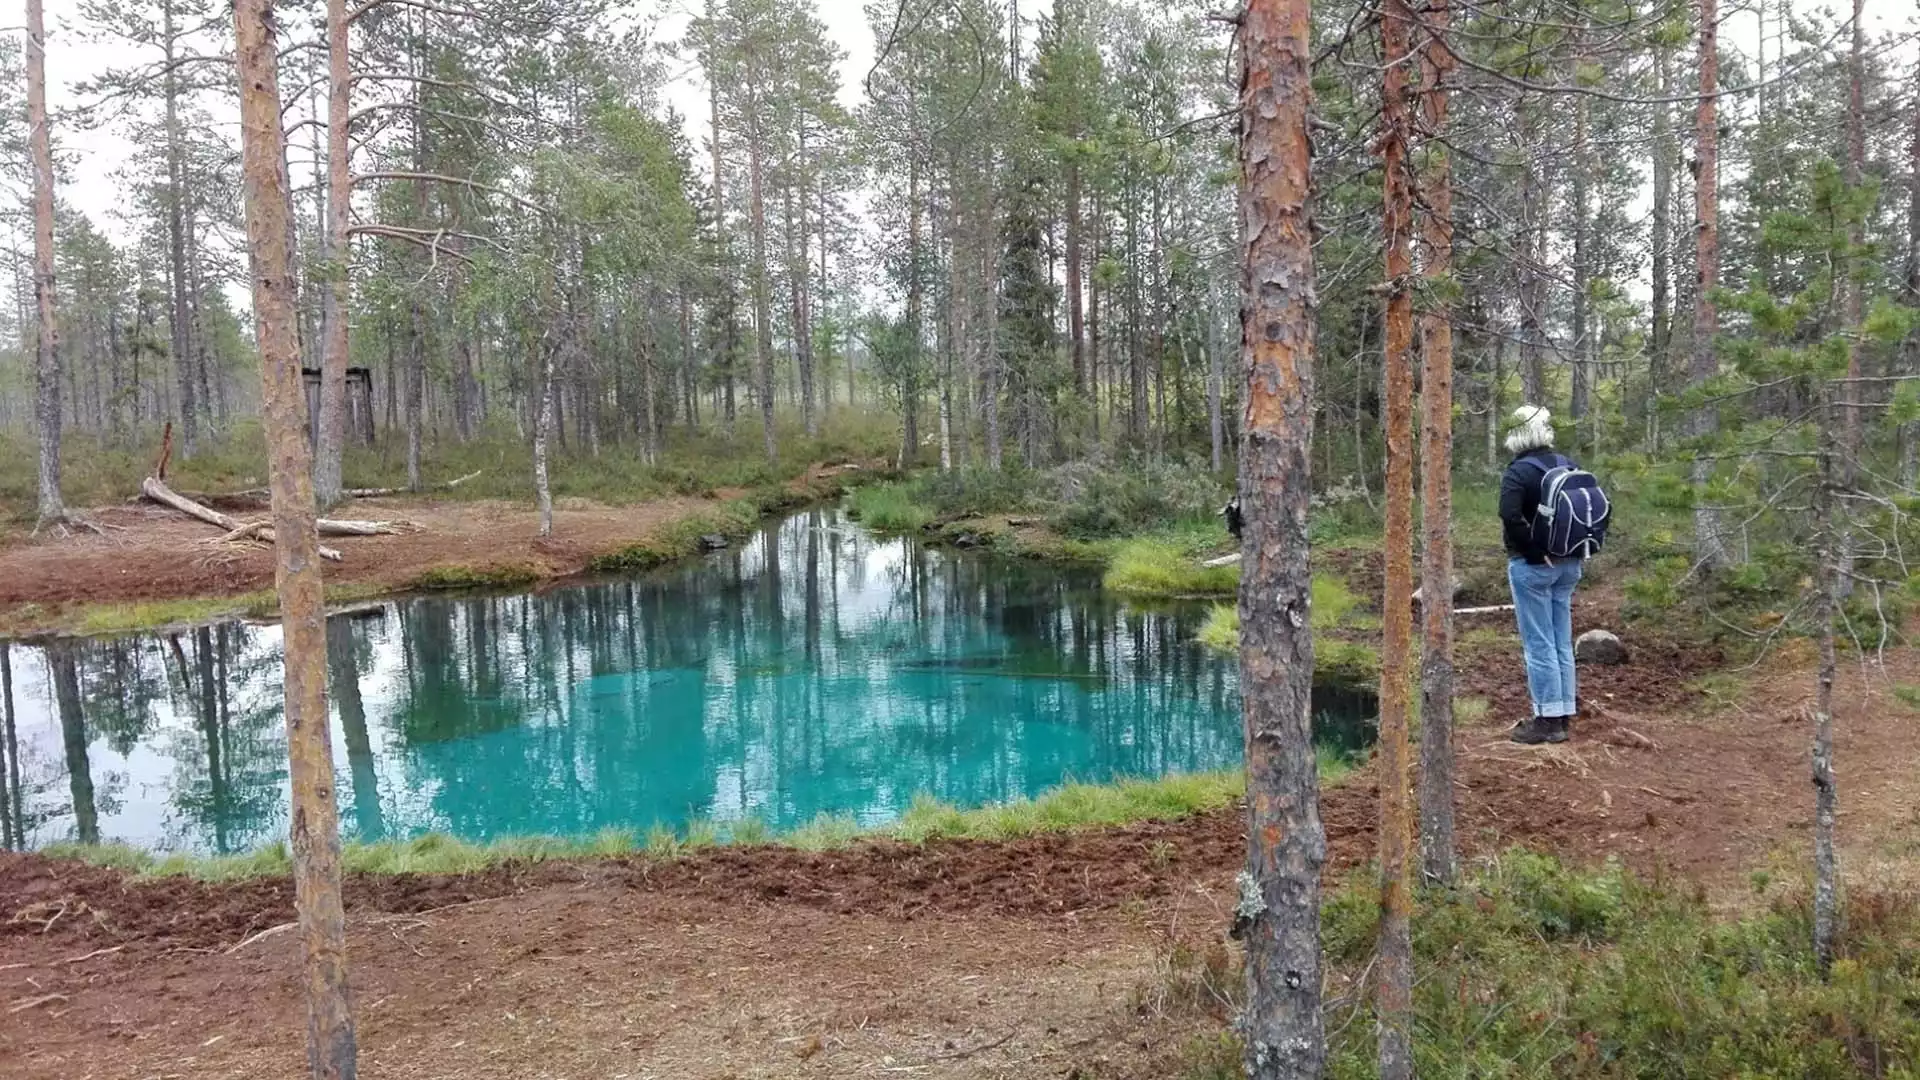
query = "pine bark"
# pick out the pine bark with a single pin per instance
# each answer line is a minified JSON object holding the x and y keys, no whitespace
{"x":315,"y":827}
{"x":47,"y":337}
{"x":332,"y":421}
{"x":1436,"y":484}
{"x":1393,"y":1000}
{"x":1709,"y":539}
{"x":1279,"y":904}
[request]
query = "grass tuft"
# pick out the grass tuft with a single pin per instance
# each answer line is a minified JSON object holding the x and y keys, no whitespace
{"x":889,"y":508}
{"x":1159,"y":568}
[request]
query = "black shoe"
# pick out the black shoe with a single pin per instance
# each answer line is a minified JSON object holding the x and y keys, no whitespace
{"x":1538,"y":730}
{"x":1560,"y":729}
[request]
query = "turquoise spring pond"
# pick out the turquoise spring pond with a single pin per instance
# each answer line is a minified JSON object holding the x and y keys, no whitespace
{"x":811,"y":669}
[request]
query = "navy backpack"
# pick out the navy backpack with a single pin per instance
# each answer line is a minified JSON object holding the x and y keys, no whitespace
{"x":1571,"y":522}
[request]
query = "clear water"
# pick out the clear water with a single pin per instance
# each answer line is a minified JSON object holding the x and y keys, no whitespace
{"x":812,"y":669}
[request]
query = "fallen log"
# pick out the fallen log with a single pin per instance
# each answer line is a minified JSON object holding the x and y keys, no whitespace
{"x":159,"y":492}
{"x":381,"y":493}
{"x":238,"y":530}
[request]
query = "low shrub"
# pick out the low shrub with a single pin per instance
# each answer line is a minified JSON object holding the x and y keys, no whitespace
{"x":1534,"y":968}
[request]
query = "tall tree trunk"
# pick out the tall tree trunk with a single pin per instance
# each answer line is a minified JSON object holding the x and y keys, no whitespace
{"x":803,"y":307}
{"x":332,"y":422}
{"x":416,"y":373}
{"x":1076,"y":326}
{"x":415,"y":380}
{"x":1436,"y":460}
{"x":543,"y":432}
{"x":179,"y":319}
{"x":1849,"y":463}
{"x":315,"y":825}
{"x":1910,"y":431}
{"x":910,"y":389}
{"x":1216,"y":422}
{"x":1393,"y":1001}
{"x":1533,"y":274}
{"x":1826,"y":787}
{"x":1279,"y":896}
{"x":1660,"y":358}
{"x":731,"y":334}
{"x":47,"y":329}
{"x":762,"y":302}
{"x":1709,"y":538}
{"x":1583,"y":373}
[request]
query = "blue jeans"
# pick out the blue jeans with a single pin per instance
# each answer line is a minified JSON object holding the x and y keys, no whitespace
{"x":1543,"y":602}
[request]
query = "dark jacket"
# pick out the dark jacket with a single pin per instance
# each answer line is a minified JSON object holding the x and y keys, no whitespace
{"x":1519,"y":499}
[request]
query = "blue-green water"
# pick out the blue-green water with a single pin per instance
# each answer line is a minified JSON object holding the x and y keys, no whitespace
{"x":812,"y":669}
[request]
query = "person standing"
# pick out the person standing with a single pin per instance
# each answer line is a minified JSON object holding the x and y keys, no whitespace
{"x":1544,"y":565}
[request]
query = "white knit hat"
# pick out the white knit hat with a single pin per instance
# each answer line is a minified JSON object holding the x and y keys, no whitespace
{"x":1530,"y":428}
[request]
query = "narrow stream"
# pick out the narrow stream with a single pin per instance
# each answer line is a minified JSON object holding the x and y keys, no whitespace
{"x":812,"y":669}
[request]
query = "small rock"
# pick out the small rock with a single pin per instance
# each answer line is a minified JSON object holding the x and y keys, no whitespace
{"x":1599,"y":647}
{"x":714,"y":542}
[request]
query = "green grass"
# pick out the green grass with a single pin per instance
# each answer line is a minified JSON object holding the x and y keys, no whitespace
{"x":1159,"y":568}
{"x":1335,"y":607}
{"x":475,"y":577}
{"x":889,"y":508}
{"x":1335,"y":659}
{"x":1069,"y":806}
{"x":680,"y":539}
{"x":1532,"y":968}
{"x":30,"y":620}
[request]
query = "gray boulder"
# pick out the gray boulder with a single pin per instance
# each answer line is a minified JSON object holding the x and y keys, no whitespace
{"x":1599,"y":647}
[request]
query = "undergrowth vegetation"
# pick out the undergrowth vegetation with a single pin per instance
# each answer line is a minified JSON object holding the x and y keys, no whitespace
{"x":1533,"y":968}
{"x":100,"y":471}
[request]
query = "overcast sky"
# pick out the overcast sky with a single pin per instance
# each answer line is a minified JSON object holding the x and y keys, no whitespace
{"x":92,"y":186}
